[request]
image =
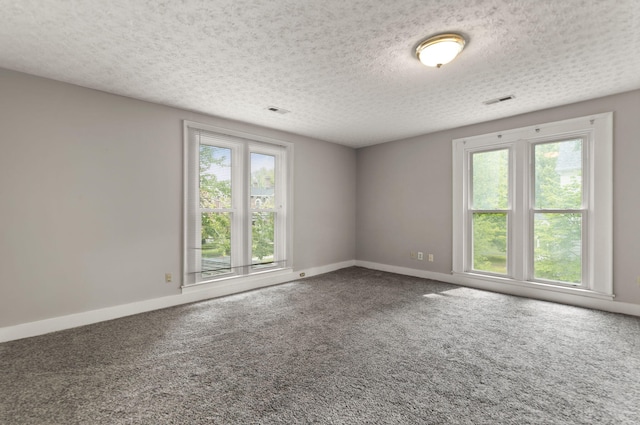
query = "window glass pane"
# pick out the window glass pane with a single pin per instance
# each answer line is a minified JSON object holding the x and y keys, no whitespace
{"x":215,"y":177}
{"x":490,"y":242}
{"x":262,"y":237}
{"x":216,"y":244}
{"x":557,"y":247}
{"x":558,"y":175}
{"x":490,"y":180}
{"x":263,"y":181}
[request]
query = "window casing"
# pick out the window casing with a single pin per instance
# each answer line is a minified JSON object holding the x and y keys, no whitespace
{"x":533,"y":206}
{"x":237,"y":220}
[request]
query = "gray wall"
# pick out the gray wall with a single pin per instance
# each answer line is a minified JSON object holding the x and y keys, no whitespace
{"x":91,"y":198}
{"x":404,"y":189}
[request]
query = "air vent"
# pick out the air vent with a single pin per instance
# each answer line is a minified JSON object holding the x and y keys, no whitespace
{"x":277,"y":110}
{"x":499,"y":99}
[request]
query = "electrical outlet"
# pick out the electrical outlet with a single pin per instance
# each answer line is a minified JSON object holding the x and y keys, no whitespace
{"x":431,"y":257}
{"x":303,"y":274}
{"x":413,"y":255}
{"x":420,"y":256}
{"x":167,"y":277}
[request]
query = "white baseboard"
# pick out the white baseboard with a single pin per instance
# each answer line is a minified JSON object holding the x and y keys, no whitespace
{"x":40,"y":327}
{"x":558,"y":297}
{"x":326,"y":269}
{"x":425,"y":274}
{"x":54,"y":324}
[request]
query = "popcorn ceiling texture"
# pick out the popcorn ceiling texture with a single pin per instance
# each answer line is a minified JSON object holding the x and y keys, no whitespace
{"x":345,"y":69}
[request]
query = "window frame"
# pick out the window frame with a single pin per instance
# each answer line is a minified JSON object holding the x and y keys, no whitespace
{"x":236,"y":201}
{"x":585,"y":209}
{"x":508,"y":211}
{"x":280,"y":196}
{"x":596,"y":131}
{"x":241,"y":145}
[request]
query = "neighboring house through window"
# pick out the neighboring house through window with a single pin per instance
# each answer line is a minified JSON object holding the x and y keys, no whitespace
{"x":236,"y":204}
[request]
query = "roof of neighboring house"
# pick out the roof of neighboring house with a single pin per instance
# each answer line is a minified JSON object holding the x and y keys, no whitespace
{"x":262,"y":191}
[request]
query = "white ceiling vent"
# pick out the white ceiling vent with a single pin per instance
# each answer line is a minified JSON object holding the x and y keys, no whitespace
{"x":277,"y":110}
{"x":499,"y":99}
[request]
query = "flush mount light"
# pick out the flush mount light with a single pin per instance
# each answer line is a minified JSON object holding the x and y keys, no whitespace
{"x":440,"y":49}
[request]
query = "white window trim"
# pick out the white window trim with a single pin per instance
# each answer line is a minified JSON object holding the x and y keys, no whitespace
{"x":255,"y":143}
{"x":598,"y":132}
{"x":585,"y":211}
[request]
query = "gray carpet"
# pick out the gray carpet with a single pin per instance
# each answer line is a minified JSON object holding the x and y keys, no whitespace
{"x":351,"y":347}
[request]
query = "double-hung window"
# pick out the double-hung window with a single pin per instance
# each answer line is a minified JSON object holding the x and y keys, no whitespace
{"x":236,"y":205}
{"x":532,"y":206}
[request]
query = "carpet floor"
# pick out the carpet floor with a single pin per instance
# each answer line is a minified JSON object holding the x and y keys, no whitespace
{"x":355,"y":346}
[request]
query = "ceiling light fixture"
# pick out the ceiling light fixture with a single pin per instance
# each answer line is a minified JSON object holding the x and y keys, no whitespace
{"x":440,"y":49}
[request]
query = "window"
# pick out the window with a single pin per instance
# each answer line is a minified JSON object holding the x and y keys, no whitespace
{"x":532,"y":206}
{"x":236,"y":216}
{"x":490,"y":210}
{"x":558,"y":211}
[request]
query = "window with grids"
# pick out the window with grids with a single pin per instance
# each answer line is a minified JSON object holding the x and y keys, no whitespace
{"x":236,"y":220}
{"x":533,"y":205}
{"x":558,"y":212}
{"x":489,"y":210}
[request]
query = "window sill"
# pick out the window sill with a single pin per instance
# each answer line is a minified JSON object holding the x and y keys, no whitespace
{"x":471,"y":277}
{"x":243,"y":282}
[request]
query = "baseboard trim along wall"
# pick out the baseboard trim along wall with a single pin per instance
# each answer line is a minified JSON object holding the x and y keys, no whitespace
{"x":55,"y":324}
{"x":540,"y":294}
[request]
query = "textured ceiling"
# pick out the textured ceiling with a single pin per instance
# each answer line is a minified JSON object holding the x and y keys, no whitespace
{"x":345,"y":69}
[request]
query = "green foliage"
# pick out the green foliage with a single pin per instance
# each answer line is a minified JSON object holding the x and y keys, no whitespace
{"x":262,"y":235}
{"x":491,"y":180}
{"x":557,"y":250}
{"x":557,"y":236}
{"x":216,"y":235}
{"x":215,"y":192}
{"x":490,"y":192}
{"x":490,"y":242}
{"x":263,"y":222}
{"x":216,"y":227}
{"x":552,"y":190}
